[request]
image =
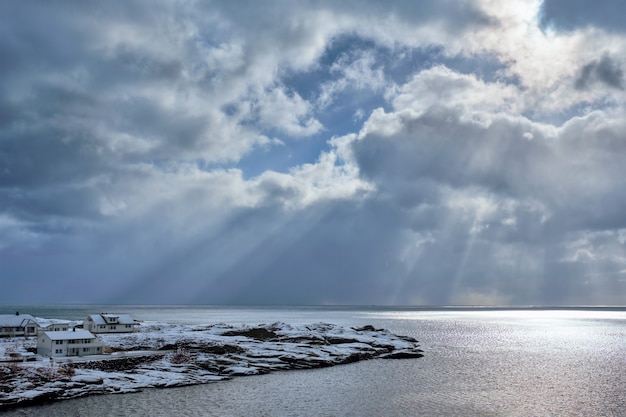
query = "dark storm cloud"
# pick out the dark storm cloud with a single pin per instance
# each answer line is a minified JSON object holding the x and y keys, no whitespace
{"x":574,"y":14}
{"x":499,"y":200}
{"x":438,"y":146}
{"x":605,"y":71}
{"x":84,"y":99}
{"x":340,"y":256}
{"x":578,"y":174}
{"x":265,"y":256}
{"x":331,"y":254}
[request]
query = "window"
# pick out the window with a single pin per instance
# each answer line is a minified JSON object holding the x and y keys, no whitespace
{"x":59,"y":342}
{"x":85,"y":349}
{"x":58,"y":351}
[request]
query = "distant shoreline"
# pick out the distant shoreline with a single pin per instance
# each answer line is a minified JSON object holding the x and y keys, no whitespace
{"x":11,"y":308}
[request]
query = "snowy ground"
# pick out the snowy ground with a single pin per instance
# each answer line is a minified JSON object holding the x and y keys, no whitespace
{"x":163,"y":355}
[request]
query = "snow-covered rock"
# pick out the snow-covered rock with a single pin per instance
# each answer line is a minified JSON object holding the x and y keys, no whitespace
{"x":165,"y":355}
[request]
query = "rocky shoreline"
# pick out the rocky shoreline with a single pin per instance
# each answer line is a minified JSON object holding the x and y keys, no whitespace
{"x":164,"y":355}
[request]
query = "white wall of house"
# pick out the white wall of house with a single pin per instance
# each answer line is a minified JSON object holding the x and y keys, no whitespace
{"x":68,"y":343}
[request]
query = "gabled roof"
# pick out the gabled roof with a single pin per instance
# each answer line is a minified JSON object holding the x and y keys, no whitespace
{"x":15,"y":320}
{"x":97,"y":318}
{"x":51,"y":322}
{"x":121,"y":318}
{"x":70,"y":335}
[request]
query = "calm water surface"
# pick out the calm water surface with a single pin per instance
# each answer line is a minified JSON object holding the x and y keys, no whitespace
{"x":476,"y":363}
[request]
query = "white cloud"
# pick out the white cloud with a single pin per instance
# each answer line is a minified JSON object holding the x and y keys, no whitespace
{"x":307,"y":184}
{"x":442,"y":86}
{"x":288,"y":113}
{"x":545,"y":61}
{"x":357,"y":73}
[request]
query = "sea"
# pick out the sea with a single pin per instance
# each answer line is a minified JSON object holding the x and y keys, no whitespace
{"x":477,"y":362}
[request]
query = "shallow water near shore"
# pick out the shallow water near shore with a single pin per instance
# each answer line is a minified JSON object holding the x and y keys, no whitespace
{"x":477,"y":362}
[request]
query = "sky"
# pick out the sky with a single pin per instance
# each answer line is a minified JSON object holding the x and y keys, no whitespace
{"x":440,"y":152}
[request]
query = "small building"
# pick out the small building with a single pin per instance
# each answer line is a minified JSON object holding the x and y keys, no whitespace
{"x":53,"y":325}
{"x":109,"y":323}
{"x":76,"y":342}
{"x":12,"y":325}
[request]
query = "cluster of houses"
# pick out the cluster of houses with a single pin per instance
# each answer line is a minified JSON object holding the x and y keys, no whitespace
{"x":55,"y":338}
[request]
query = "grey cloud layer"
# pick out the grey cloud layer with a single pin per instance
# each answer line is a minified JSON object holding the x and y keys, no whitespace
{"x":503,"y":197}
{"x":604,"y":71}
{"x":92,"y":92}
{"x":123,"y":127}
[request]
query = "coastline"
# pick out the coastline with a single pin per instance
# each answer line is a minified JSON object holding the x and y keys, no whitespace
{"x":168,"y":355}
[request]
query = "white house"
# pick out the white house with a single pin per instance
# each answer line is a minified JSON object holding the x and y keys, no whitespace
{"x":52,"y":325}
{"x":76,"y":342}
{"x":17,"y":324}
{"x":109,"y":323}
